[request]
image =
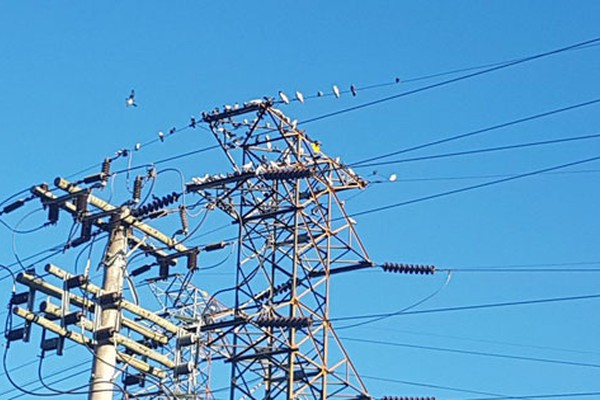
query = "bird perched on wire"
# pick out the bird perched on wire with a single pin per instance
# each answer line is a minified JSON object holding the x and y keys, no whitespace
{"x":130,"y":101}
{"x":336,"y":91}
{"x":284,"y":97}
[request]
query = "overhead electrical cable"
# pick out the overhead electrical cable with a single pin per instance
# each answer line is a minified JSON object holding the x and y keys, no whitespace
{"x":430,"y":385}
{"x":488,"y":68}
{"x":452,"y":80}
{"x":477,"y":131}
{"x":543,"y":396}
{"x":429,"y":76}
{"x":522,"y":270}
{"x":167,"y":159}
{"x":407,"y":308}
{"x":496,"y":397}
{"x":26,"y":364}
{"x":471,"y":177}
{"x":473,"y":307}
{"x":474,"y":187}
{"x":492,"y":67}
{"x":420,"y":334}
{"x":473,"y":353}
{"x":483,"y":150}
{"x":531,"y":265}
{"x":455,"y":137}
{"x":60,"y":380}
{"x":357,"y":163}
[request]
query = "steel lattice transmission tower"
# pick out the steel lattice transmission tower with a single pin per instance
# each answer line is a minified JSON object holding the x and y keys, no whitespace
{"x":293,"y":235}
{"x":184,"y":304}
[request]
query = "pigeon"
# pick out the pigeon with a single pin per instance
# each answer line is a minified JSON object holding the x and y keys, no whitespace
{"x":284,"y":97}
{"x":336,"y":91}
{"x":130,"y":101}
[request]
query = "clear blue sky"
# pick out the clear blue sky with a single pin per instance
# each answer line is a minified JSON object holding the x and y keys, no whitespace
{"x":66,"y":69}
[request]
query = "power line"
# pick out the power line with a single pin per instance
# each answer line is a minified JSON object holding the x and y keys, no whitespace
{"x":493,"y":67}
{"x":172,"y":158}
{"x":62,"y":379}
{"x":454,"y":71}
{"x":542,"y":396}
{"x":53,"y":252}
{"x":478,"y":131}
{"x":488,"y":176}
{"x":18,"y":367}
{"x":358,"y":163}
{"x":430,"y":385}
{"x":176,"y":157}
{"x":139,"y":146}
{"x":497,"y":397}
{"x":522,"y":270}
{"x":474,"y":68}
{"x":177,"y":130}
{"x":474,"y":353}
{"x":32,"y":382}
{"x":453,"y":80}
{"x":472,"y":307}
{"x":484,"y":150}
{"x":557,"y":264}
{"x":487,"y":342}
{"x":474,"y":187}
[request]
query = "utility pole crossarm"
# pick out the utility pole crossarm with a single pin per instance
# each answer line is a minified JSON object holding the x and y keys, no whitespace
{"x":102,"y":205}
{"x":46,"y":195}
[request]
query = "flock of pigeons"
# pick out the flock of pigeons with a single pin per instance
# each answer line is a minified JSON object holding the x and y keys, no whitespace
{"x":130,"y":100}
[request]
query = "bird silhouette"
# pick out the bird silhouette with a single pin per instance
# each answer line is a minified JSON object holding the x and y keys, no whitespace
{"x":130,"y":101}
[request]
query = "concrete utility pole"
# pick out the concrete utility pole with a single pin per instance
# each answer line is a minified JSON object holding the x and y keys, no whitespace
{"x":105,"y":360}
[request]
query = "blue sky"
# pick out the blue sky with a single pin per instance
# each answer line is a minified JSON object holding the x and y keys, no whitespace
{"x":66,"y":70}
